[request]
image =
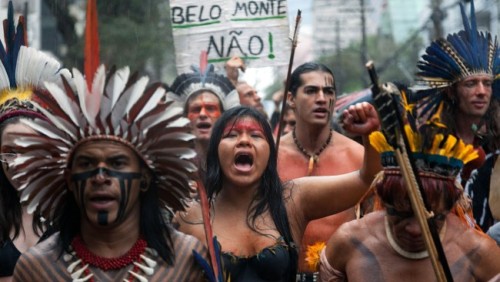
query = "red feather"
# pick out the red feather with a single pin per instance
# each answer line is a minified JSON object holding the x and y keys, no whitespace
{"x":91,"y":57}
{"x":203,"y":61}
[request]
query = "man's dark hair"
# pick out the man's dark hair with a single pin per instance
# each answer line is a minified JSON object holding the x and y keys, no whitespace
{"x":491,"y":119}
{"x":270,"y":193}
{"x":296,"y":81}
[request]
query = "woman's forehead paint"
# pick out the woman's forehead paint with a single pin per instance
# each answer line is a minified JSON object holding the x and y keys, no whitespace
{"x":240,"y":125}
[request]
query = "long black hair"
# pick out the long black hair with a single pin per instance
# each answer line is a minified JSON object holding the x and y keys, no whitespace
{"x":153,"y":224}
{"x":270,"y":193}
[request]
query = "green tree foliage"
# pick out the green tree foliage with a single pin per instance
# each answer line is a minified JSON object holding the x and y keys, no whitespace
{"x":136,"y":33}
{"x":393,"y":62}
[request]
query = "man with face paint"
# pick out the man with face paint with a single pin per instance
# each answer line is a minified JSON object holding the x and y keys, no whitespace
{"x":458,"y":81}
{"x":313,"y":148}
{"x":105,"y":174}
{"x":388,"y":244}
{"x":204,"y":95}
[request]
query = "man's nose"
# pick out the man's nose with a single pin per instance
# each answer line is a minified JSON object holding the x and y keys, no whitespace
{"x":320,"y":96}
{"x":257,"y":97}
{"x":482,"y":88}
{"x":203,"y":112}
{"x":101,"y":175}
{"x":413,"y":228}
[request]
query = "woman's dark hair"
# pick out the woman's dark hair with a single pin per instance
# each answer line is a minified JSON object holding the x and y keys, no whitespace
{"x":296,"y":81}
{"x":153,"y":226}
{"x":270,"y":193}
{"x":10,"y":206}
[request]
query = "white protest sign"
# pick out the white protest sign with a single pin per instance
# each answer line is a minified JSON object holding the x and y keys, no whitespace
{"x":257,"y":31}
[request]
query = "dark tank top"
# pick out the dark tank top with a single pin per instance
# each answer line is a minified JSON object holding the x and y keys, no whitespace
{"x":9,"y":255}
{"x":270,"y":264}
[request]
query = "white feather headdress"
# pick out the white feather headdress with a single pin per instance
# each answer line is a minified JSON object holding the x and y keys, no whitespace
{"x":118,"y":107}
{"x":22,"y":69}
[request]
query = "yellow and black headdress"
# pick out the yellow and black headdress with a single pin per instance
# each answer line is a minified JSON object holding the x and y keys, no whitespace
{"x":433,"y":149}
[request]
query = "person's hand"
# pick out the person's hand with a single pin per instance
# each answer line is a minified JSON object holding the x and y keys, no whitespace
{"x":360,"y":119}
{"x":277,"y":97}
{"x":236,"y":63}
{"x":232,"y":65}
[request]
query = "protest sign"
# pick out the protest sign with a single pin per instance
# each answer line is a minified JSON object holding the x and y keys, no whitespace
{"x":257,"y":31}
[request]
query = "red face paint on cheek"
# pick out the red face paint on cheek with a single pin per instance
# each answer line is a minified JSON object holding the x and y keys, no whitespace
{"x":241,"y":125}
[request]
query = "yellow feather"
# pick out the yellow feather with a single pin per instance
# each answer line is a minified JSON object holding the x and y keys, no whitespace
{"x":379,"y":143}
{"x":436,"y":143}
{"x":312,"y":255}
{"x":449,"y":145}
{"x":21,"y":94}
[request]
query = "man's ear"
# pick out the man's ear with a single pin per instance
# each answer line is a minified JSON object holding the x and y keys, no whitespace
{"x":291,"y":100}
{"x":67,"y":177}
{"x":145,"y":182}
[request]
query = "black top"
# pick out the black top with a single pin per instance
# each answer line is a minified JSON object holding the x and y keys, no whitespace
{"x":478,"y":188}
{"x":9,"y":255}
{"x":271,"y":264}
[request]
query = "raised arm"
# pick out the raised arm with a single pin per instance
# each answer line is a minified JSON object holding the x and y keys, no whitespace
{"x":321,"y":196}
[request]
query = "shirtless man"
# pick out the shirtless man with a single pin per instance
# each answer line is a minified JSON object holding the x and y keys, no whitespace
{"x":313,"y":148}
{"x":388,"y":245}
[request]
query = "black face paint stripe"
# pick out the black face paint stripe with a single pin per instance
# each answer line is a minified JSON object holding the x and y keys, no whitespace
{"x":111,"y":173}
{"x":125,"y":180}
{"x":124,"y":199}
{"x":102,"y":218}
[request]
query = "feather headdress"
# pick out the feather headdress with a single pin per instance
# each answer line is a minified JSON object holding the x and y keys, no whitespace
{"x":460,"y":55}
{"x":433,"y":149}
{"x":118,"y":107}
{"x":22,"y":70}
{"x":201,"y":79}
{"x":115,"y":106}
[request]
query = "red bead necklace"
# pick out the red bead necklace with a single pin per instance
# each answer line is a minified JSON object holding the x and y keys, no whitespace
{"x":133,"y":255}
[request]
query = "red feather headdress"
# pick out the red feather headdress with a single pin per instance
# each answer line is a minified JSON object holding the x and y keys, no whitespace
{"x":114,"y":106}
{"x":118,"y":107}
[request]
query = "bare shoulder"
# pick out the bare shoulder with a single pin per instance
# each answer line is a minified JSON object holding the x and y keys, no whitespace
{"x":342,"y":241}
{"x":344,"y":142}
{"x":287,"y":146}
{"x":479,"y":248}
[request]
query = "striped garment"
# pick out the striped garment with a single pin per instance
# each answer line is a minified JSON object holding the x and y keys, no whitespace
{"x":44,"y":263}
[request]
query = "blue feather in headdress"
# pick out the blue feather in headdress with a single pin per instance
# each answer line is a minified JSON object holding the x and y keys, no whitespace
{"x":447,"y":61}
{"x":13,"y":39}
{"x":207,"y":268}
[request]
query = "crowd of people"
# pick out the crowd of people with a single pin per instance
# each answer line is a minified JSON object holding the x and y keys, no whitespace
{"x":109,"y":177}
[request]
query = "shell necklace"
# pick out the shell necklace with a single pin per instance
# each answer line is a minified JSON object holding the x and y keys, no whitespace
{"x":313,"y":158}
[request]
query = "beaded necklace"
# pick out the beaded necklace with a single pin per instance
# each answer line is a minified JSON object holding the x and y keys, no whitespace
{"x":136,"y":256}
{"x":313,"y":158}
